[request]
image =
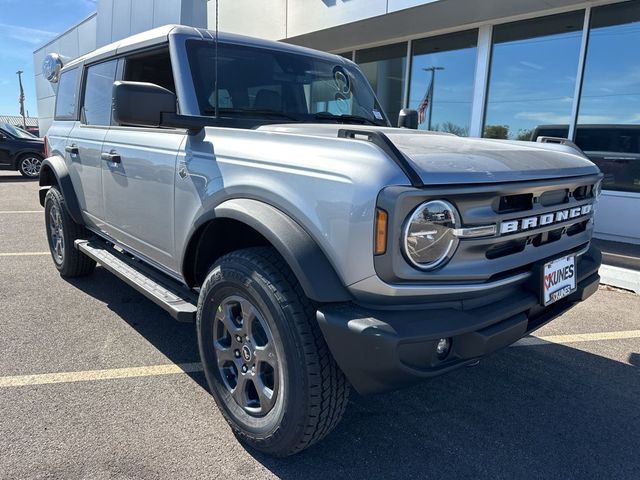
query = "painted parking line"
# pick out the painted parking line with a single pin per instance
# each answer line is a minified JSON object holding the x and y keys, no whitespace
{"x":94,"y":375}
{"x":23,"y":254}
{"x":181,"y":368}
{"x":576,"y":338}
{"x":20,"y":211}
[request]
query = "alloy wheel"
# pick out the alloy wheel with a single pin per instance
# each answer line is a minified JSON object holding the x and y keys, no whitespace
{"x":56,"y":241}
{"x":246,"y":355}
{"x":31,"y":166}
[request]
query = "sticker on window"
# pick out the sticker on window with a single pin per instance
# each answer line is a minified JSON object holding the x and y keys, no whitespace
{"x":377,"y":114}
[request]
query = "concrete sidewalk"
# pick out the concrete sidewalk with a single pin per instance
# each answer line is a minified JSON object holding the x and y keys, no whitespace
{"x":620,"y":264}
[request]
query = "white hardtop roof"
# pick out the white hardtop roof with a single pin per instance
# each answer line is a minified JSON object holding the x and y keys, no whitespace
{"x":161,"y":35}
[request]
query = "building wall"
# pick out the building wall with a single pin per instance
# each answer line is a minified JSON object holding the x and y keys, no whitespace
{"x":79,"y":40}
{"x":114,"y":20}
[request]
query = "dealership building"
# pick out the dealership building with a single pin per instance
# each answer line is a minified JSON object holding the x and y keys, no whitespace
{"x":512,"y":69}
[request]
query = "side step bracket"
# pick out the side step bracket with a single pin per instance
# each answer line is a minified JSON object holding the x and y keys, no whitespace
{"x":163,"y":291}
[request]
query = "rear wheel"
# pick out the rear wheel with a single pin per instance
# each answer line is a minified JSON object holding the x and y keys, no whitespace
{"x":29,"y":165}
{"x":62,"y":232}
{"x":265,"y":359}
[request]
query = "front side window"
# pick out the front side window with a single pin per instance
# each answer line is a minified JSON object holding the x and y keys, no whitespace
{"x":533,"y":75}
{"x":98,"y":92}
{"x":67,"y":97}
{"x":260,"y":82}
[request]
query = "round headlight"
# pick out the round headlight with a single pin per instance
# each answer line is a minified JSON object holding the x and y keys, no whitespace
{"x":429,"y":239}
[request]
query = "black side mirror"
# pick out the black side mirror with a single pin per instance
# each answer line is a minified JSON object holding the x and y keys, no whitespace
{"x":142,"y":104}
{"x":408,"y":118}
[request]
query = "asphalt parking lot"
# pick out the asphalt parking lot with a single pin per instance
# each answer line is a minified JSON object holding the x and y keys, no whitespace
{"x":93,"y":385}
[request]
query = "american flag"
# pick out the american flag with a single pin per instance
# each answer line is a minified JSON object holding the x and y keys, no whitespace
{"x":424,"y":104}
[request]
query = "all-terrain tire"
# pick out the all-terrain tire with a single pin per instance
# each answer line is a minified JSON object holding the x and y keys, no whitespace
{"x":312,"y":391}
{"x":62,"y":232}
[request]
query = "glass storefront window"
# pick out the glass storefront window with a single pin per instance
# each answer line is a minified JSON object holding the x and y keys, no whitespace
{"x":533,"y":74}
{"x":384,"y":67}
{"x":450,"y":60}
{"x":608,"y":128}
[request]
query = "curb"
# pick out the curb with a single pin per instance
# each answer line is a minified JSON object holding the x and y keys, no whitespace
{"x":620,"y":278}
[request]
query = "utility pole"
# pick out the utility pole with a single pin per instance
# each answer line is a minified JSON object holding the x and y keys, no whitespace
{"x":433,"y":81}
{"x":21,"y":99}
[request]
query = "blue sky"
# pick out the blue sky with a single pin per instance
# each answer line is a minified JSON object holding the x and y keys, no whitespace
{"x":24,"y":26}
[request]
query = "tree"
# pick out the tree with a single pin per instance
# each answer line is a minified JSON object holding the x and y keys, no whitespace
{"x":524,"y":134}
{"x":450,"y":127}
{"x":496,"y":131}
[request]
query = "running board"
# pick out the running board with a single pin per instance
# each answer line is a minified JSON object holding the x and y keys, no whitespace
{"x":164,"y":292}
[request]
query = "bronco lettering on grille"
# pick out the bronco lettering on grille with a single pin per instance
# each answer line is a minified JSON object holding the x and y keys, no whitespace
{"x":529,"y":223}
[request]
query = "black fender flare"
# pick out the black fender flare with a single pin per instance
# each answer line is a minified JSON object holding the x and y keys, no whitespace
{"x":306,"y":259}
{"x":54,"y":172}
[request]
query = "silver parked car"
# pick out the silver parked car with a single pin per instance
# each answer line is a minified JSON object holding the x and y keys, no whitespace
{"x":258,"y":189}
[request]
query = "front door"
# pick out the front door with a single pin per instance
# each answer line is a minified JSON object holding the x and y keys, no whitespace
{"x":138,"y":183}
{"x":84,"y":144}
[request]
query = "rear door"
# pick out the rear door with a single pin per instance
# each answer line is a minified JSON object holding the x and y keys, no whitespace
{"x":5,"y":148}
{"x":84,"y":145}
{"x":138,"y":183}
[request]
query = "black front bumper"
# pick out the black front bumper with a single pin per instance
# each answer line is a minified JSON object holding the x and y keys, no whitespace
{"x":381,"y":350}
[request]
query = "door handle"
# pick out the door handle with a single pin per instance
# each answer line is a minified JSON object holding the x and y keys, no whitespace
{"x":72,"y":149}
{"x":112,"y":156}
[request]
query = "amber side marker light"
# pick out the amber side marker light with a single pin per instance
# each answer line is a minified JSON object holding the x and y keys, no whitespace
{"x":381,"y":232}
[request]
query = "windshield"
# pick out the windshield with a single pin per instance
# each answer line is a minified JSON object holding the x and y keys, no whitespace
{"x":261,"y":82}
{"x":16,"y":132}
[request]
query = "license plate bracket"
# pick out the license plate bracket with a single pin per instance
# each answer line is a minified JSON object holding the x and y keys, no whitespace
{"x":558,"y":279}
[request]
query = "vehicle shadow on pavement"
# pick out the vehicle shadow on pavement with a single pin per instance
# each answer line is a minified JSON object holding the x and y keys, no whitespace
{"x":537,"y":412}
{"x":16,"y":179}
{"x":176,"y":340}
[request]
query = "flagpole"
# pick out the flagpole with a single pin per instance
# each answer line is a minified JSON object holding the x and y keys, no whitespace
{"x":21,"y":99}
{"x":433,"y":80}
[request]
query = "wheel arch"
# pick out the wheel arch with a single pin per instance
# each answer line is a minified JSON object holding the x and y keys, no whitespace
{"x":54,"y":172}
{"x":248,"y":223}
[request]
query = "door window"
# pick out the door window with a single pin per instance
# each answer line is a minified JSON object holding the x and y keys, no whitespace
{"x":97,"y":96}
{"x":66,"y":98}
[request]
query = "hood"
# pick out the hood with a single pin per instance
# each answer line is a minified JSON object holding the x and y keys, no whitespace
{"x":442,"y":159}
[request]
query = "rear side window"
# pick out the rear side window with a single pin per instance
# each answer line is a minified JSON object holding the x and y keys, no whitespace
{"x":67,"y":98}
{"x":97,"y":93}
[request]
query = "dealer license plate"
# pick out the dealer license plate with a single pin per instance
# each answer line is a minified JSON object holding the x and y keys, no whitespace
{"x":559,"y":279}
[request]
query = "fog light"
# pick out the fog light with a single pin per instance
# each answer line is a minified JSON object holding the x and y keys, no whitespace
{"x":443,"y":347}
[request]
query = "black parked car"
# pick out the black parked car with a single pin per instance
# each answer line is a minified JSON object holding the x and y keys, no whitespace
{"x":20,"y":150}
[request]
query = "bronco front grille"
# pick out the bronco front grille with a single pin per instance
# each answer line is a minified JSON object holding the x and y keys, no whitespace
{"x":551,"y":228}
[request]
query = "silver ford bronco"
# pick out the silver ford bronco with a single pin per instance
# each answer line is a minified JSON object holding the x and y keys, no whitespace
{"x":258,"y":189}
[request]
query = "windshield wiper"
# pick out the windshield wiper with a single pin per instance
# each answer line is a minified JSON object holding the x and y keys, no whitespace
{"x":251,"y":111}
{"x":345,"y":118}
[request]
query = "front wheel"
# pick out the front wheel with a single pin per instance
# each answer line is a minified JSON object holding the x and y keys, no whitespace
{"x":62,"y":232}
{"x":265,"y":359}
{"x":29,"y":165}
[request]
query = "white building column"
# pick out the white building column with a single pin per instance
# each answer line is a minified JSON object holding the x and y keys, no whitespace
{"x":483,"y":63}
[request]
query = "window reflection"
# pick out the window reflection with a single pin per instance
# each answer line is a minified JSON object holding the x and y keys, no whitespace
{"x":608,"y":127}
{"x":448,"y":102}
{"x":533,"y":75}
{"x":384,"y":67}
